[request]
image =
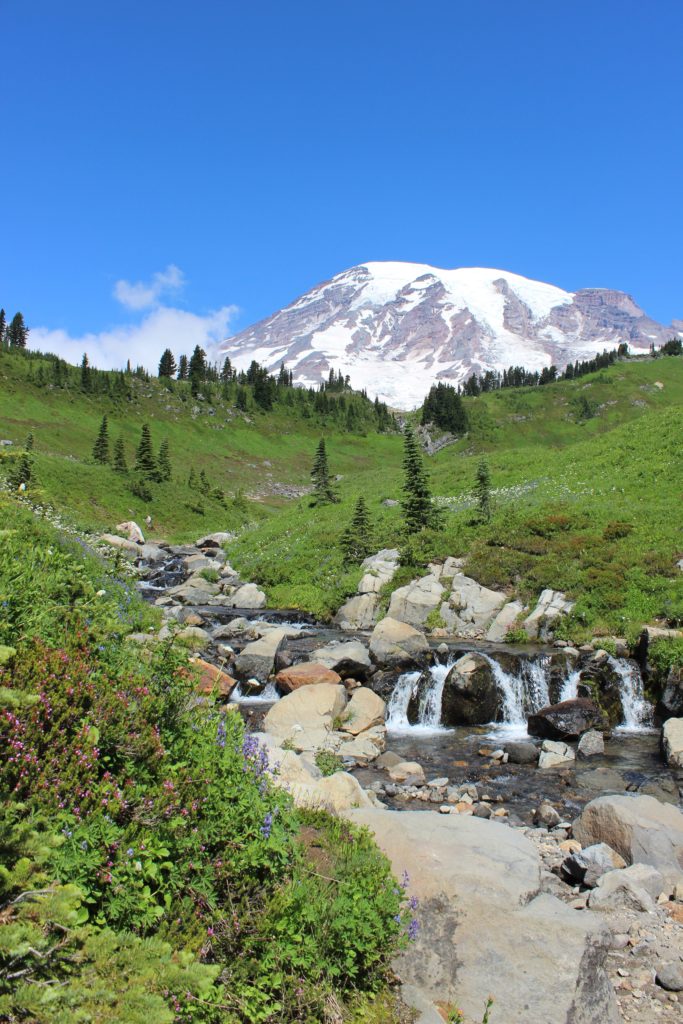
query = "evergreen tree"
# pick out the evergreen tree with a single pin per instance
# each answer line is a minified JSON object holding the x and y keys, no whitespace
{"x":17,"y":332}
{"x":182,"y":368}
{"x":356,"y":541}
{"x":22,"y":471}
{"x":86,"y":378}
{"x":145,"y":463}
{"x":483,"y":491}
{"x":164,"y":460}
{"x":120,"y":456}
{"x":323,"y":491}
{"x":227,"y":373}
{"x":100,"y":450}
{"x":167,"y":366}
{"x":197,"y":369}
{"x":28,"y":443}
{"x":192,"y":479}
{"x":419,"y":510}
{"x":204,"y":484}
{"x":3,"y":328}
{"x":241,"y":399}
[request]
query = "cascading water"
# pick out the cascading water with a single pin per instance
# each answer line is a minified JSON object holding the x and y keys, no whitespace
{"x":570,"y":687}
{"x":430,"y":703}
{"x":523,"y":692}
{"x":397,"y":705}
{"x":268,"y":695}
{"x":429,"y":709}
{"x":636,"y":710}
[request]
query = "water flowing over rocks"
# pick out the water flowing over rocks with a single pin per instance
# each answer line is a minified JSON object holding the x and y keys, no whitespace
{"x":567,"y":720}
{"x":470,"y":694}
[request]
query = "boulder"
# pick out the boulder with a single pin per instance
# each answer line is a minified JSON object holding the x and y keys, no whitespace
{"x":505,"y":618}
{"x":602,"y":780}
{"x":551,"y":605}
{"x":377,"y":570}
{"x":397,"y":645}
{"x":470,"y":694}
{"x":672,"y":742}
{"x":602,"y":681}
{"x":405,"y":770}
{"x":520,"y":752}
{"x":364,"y":711}
{"x":591,"y":743}
{"x":415,"y":602}
{"x":545,"y":814}
{"x":246,"y":596}
{"x":469,"y":609}
{"x":152,"y":553}
{"x":357,"y":613}
{"x":670,"y":704}
{"x":670,"y":977}
{"x":194,"y":636}
{"x":554,"y":754}
{"x":310,"y":710}
{"x":590,"y":864}
{"x":364,"y":748}
{"x":338,"y":792}
{"x":350,"y":658}
{"x":257,"y":659}
{"x":211,"y":679}
{"x":484,"y":928}
{"x":197,"y":563}
{"x":131,"y":531}
{"x":389,"y":760}
{"x":127,"y":547}
{"x":307,"y":673}
{"x":567,"y":720}
{"x":634,"y":888}
{"x":640,"y":828}
{"x":214,"y":540}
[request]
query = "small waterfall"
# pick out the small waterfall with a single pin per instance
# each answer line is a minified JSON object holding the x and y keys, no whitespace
{"x":430,"y":702}
{"x":570,"y":687}
{"x":636,"y":710}
{"x":241,"y":695}
{"x":397,"y":705}
{"x":524,"y":692}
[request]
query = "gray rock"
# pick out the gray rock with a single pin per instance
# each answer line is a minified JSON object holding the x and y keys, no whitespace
{"x":634,"y":888}
{"x":670,"y":977}
{"x":672,"y":742}
{"x":505,"y":618}
{"x":640,"y":828}
{"x":587,"y":866}
{"x":551,"y":605}
{"x":358,"y":612}
{"x":350,"y":659}
{"x":545,"y":814}
{"x":215,"y":540}
{"x":591,"y":743}
{"x":567,"y":720}
{"x":257,"y":659}
{"x":602,"y":780}
{"x":485,"y":929}
{"x":470,"y":608}
{"x":415,"y":602}
{"x":388,"y":759}
{"x":520,"y":752}
{"x":662,"y":789}
{"x":553,"y":754}
{"x":470,"y":694}
{"x":246,"y":596}
{"x":396,"y":644}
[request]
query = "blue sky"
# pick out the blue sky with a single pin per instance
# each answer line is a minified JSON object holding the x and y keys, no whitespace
{"x":173,"y":171}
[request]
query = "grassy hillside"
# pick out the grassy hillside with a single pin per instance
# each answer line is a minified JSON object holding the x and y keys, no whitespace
{"x":587,"y":476}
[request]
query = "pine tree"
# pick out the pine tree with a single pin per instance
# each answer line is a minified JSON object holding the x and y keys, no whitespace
{"x":204,"y":484}
{"x":100,"y":450}
{"x":483,"y":491}
{"x":120,"y":456}
{"x":22,"y":471}
{"x":86,"y":377}
{"x":192,"y":479}
{"x":28,"y":443}
{"x":17,"y":332}
{"x":323,"y":491}
{"x":145,"y":463}
{"x":419,"y":510}
{"x":167,"y":366}
{"x":3,"y":328}
{"x":182,"y":368}
{"x":241,"y":399}
{"x":356,"y":541}
{"x":197,"y":369}
{"x":227,"y":373}
{"x":164,"y":461}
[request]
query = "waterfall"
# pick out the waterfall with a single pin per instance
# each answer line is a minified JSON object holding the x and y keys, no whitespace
{"x":523,"y":692}
{"x":397,"y":705}
{"x":636,"y":710}
{"x":267,"y":696}
{"x":430,"y":703}
{"x":570,"y":686}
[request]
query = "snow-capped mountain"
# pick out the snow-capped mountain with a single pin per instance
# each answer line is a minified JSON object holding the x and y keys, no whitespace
{"x":396,"y":328}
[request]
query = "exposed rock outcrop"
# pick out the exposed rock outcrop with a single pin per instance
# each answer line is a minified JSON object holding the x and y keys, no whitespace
{"x":470,"y":694}
{"x":567,"y":720}
{"x":395,"y":645}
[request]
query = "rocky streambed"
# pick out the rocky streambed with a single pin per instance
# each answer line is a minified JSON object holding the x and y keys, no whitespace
{"x":546,"y":869}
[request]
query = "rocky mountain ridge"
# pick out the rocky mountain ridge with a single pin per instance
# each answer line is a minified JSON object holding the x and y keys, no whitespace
{"x":395,"y":328}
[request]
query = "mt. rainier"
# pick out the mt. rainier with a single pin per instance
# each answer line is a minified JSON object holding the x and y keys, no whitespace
{"x":396,"y":328}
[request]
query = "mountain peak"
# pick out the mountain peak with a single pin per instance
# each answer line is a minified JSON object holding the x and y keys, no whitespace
{"x":396,"y":328}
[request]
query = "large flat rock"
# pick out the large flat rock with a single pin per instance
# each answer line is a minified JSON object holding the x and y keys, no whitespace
{"x":484,"y":928}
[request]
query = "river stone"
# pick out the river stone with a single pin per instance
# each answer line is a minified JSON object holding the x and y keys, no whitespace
{"x":311,"y":708}
{"x":397,"y":645}
{"x":127,"y":547}
{"x":350,"y":659}
{"x":307,"y":673}
{"x":591,"y":743}
{"x":338,"y":792}
{"x":567,"y":720}
{"x":634,"y":888}
{"x":470,"y":694}
{"x":551,"y":605}
{"x":214,"y":540}
{"x":545,"y":814}
{"x":389,"y":759}
{"x":484,"y":930}
{"x":406,"y":770}
{"x":364,"y":711}
{"x":670,"y":977}
{"x":152,"y":553}
{"x":195,"y":636}
{"x":589,"y":865}
{"x":640,"y":828}
{"x":197,"y":562}
{"x":672,"y":742}
{"x":416,"y":601}
{"x":602,"y":780}
{"x":520,"y":752}
{"x":554,"y":754}
{"x":131,"y":530}
{"x":357,"y":613}
{"x":670,"y":704}
{"x":662,"y":789}
{"x":210,"y":679}
{"x":257,"y":659}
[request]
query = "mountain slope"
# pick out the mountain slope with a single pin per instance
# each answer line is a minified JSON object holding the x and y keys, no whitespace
{"x":396,"y":327}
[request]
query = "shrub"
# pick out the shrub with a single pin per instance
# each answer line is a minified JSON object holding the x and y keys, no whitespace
{"x":328,"y":762}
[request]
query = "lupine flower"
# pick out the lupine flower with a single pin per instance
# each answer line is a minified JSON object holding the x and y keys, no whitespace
{"x":267,"y":825}
{"x":413,"y":929}
{"x":220,"y":733}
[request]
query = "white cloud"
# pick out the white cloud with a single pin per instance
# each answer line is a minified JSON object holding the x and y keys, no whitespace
{"x":142,"y":343}
{"x":143,"y":295}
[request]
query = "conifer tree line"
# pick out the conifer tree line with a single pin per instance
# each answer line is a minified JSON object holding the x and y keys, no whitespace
{"x":13,"y":335}
{"x":147,"y":466}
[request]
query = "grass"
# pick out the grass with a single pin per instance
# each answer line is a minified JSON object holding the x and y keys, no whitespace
{"x":587,"y":478}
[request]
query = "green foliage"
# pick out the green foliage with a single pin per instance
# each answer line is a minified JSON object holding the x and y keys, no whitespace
{"x":443,"y":406}
{"x":483,"y":491}
{"x":323,"y":491}
{"x":435,"y":620}
{"x":419,"y":510}
{"x":517,"y":636}
{"x":664,"y":654}
{"x":357,"y":541}
{"x":210,"y":575}
{"x":164,"y":461}
{"x":100,"y":451}
{"x":328,"y":762}
{"x":120,"y":464}
{"x":145,"y":463}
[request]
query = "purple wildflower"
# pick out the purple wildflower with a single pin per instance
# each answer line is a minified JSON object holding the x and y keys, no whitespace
{"x":220,"y":733}
{"x":267,"y":825}
{"x":413,"y":902}
{"x":413,"y":929}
